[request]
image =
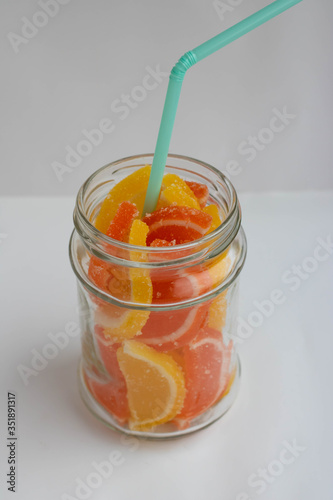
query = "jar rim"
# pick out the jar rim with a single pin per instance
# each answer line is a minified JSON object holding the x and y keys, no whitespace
{"x":84,"y":226}
{"x":229,"y":280}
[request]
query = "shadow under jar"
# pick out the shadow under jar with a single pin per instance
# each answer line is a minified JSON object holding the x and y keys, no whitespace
{"x":157,"y":324}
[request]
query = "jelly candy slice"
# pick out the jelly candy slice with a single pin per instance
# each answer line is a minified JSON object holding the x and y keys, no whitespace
{"x":177,"y":286}
{"x":200,"y":191}
{"x":181,"y":224}
{"x":171,"y":330}
{"x":172,"y":180}
{"x":162,"y":243}
{"x":130,"y":323}
{"x":108,"y":353}
{"x":175,"y":195}
{"x":155,"y":385}
{"x":110,"y":278}
{"x":122,"y":221}
{"x":206,"y":362}
{"x":214,"y":212}
{"x":133,"y":188}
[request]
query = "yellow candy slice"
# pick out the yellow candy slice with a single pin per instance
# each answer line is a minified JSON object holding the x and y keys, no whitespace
{"x":155,"y":385}
{"x":218,"y":308}
{"x":170,"y":179}
{"x":175,"y":195}
{"x":214,"y":212}
{"x":133,"y":188}
{"x":176,"y":191}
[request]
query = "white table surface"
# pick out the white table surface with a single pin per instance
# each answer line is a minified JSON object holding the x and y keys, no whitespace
{"x":286,"y":389}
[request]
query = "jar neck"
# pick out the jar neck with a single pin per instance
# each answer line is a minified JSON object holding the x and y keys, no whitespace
{"x":101,"y":246}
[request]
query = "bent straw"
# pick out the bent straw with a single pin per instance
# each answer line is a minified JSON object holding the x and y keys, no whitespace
{"x":175,"y":84}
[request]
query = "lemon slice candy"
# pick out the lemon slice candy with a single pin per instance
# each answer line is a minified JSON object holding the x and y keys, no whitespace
{"x":155,"y":385}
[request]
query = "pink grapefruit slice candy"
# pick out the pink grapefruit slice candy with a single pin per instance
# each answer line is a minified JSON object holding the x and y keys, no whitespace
{"x":207,"y":373}
{"x":182,"y":224}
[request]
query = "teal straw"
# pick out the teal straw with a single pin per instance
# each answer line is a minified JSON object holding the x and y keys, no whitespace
{"x":175,"y":85}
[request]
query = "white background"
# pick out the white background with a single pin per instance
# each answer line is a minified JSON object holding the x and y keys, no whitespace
{"x":286,"y":385}
{"x":65,"y":79}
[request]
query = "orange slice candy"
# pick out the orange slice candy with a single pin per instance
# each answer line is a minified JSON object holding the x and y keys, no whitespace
{"x":133,"y":188}
{"x":206,"y":365}
{"x":169,"y":330}
{"x":162,"y":243}
{"x":130,"y":323}
{"x":108,"y":353}
{"x":108,"y":277}
{"x":166,"y":331}
{"x":122,"y":221}
{"x":200,"y":191}
{"x":175,"y":191}
{"x":182,"y":224}
{"x":155,"y":385}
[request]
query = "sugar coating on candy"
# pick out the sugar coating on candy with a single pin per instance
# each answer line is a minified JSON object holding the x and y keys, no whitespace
{"x":200,"y":191}
{"x":214,"y":212}
{"x":133,"y":188}
{"x":182,"y":224}
{"x":176,"y":195}
{"x":162,"y":243}
{"x":122,"y":221}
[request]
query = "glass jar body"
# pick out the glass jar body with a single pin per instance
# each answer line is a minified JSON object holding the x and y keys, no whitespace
{"x":164,"y":366}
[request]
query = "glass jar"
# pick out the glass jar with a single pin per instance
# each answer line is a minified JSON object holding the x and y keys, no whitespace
{"x":157,"y":324}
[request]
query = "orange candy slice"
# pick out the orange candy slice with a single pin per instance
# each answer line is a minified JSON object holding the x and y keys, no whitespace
{"x":122,"y":221}
{"x":155,"y":385}
{"x":108,"y":353}
{"x":206,"y":365}
{"x":133,"y":188}
{"x":162,"y":243}
{"x":200,"y":191}
{"x":172,"y":180}
{"x":166,"y":331}
{"x":175,"y":195}
{"x":182,"y":224}
{"x":109,"y":278}
{"x":220,"y":268}
{"x":169,"y":330}
{"x":130,"y":323}
{"x":213,"y":211}
{"x":111,"y":395}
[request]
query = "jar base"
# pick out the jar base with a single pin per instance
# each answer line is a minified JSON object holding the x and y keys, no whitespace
{"x":165,"y":431}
